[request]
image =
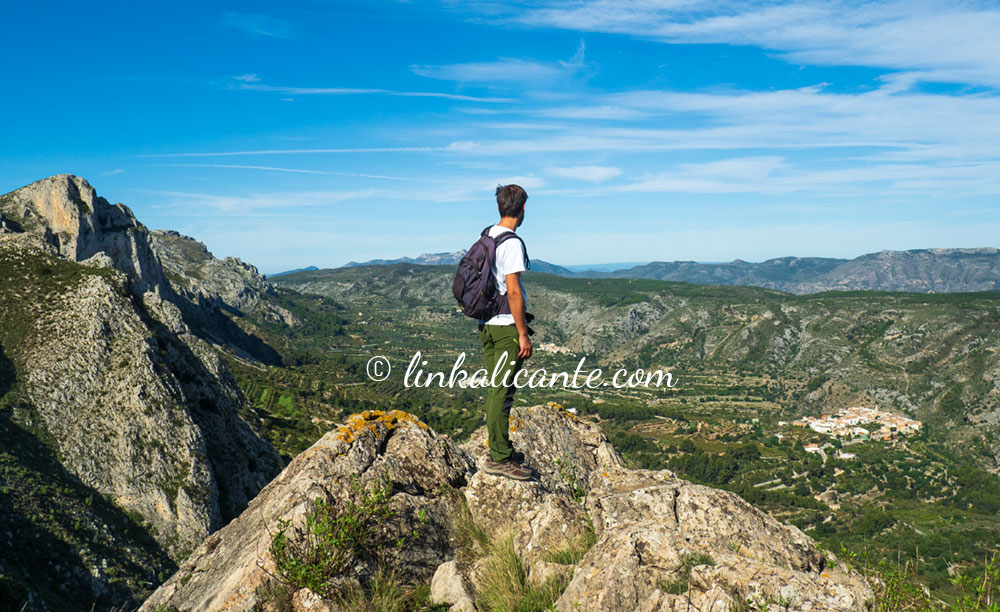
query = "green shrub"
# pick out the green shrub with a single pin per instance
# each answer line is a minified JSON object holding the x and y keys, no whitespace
{"x":569,"y":475}
{"x":333,"y":538}
{"x":679,"y":583}
{"x":898,"y":587}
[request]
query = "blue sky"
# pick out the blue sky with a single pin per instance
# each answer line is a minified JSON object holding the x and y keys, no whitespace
{"x":315,"y":133}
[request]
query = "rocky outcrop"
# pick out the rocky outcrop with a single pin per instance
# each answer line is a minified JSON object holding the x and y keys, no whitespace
{"x":175,"y":277}
{"x":69,"y":215}
{"x":658,"y":542}
{"x":226,"y":571}
{"x":215,"y":286}
{"x":136,"y":413}
{"x":140,"y":407}
{"x":667,"y":544}
{"x":227,"y":283}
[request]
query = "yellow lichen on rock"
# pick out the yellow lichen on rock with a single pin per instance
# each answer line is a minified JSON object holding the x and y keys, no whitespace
{"x":561,"y":410}
{"x":370,"y":419}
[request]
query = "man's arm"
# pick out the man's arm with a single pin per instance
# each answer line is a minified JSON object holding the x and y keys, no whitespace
{"x":516,"y":301}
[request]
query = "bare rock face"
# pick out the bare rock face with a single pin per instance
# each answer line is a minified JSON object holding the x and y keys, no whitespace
{"x":123,"y":429}
{"x":662,"y":544}
{"x":226,"y":570}
{"x":71,"y":217}
{"x":136,"y":413}
{"x":227,"y":283}
{"x":542,"y":515}
{"x":140,"y":407}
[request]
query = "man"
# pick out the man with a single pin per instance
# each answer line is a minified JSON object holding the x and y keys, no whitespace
{"x":505,"y":336}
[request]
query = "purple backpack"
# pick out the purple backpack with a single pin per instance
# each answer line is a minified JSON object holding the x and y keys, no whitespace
{"x":474,"y":286}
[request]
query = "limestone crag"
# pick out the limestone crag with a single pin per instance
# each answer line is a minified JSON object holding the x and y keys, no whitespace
{"x":650,"y":524}
{"x":113,"y":364}
{"x":220,"y":283}
{"x":212,"y":286}
{"x":135,"y":412}
{"x":566,"y":449}
{"x":225,"y":572}
{"x":67,"y":212}
{"x":661,"y":543}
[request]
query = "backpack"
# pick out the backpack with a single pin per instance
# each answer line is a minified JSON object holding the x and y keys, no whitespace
{"x":474,"y":286}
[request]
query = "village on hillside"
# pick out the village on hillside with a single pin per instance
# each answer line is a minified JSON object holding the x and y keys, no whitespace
{"x":847,"y":423}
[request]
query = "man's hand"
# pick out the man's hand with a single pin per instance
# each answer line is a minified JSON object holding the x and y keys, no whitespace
{"x":516,"y":300}
{"x":524,"y":342}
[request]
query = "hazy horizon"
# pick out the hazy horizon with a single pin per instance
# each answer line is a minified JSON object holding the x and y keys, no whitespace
{"x":600,"y":267}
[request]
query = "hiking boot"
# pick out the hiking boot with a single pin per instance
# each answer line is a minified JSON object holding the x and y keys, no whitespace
{"x":516,"y":457}
{"x":508,"y":469}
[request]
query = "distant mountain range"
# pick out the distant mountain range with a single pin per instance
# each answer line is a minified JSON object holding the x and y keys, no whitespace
{"x":306,"y":269}
{"x":917,"y":270}
{"x":435,"y":259}
{"x":426,"y":259}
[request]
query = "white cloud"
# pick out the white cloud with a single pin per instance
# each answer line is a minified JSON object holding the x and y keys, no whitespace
{"x":917,"y":126}
{"x":113,"y":172}
{"x":256,"y":24}
{"x":937,"y":40}
{"x":472,"y":188}
{"x":256,"y":201}
{"x":591,"y":174}
{"x":744,"y":168}
{"x":296,"y":151}
{"x":528,"y":182}
{"x":354,"y":91}
{"x":507,"y":70}
{"x":304,"y":171}
{"x":764,"y":176}
{"x":504,"y":69}
{"x":593,"y":112}
{"x":879,"y":142}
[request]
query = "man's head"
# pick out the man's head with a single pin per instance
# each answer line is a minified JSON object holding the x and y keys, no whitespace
{"x":510,"y":201}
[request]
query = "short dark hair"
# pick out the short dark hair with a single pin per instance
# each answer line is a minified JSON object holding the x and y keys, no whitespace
{"x":511,"y":199}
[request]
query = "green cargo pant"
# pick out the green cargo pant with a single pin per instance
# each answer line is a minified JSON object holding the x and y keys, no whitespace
{"x":497,"y":339}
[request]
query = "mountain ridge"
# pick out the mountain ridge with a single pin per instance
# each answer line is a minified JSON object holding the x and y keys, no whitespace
{"x":114,"y":370}
{"x":948,"y":270}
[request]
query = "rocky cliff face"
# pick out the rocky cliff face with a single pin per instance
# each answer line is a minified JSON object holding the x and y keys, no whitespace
{"x":69,"y":215}
{"x":214,"y":286}
{"x":227,"y":283}
{"x":136,"y":405}
{"x":658,"y":543}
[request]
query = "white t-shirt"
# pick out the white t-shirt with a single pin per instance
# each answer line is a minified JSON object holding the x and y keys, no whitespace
{"x":509,"y":260}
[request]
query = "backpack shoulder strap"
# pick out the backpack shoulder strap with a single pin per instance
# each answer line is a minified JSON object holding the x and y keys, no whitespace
{"x":508,"y":235}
